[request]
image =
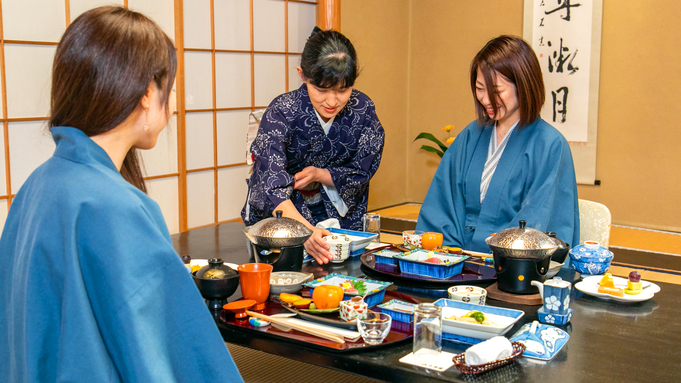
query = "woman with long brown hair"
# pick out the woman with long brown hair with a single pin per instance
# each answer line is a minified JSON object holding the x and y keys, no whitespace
{"x":91,"y":287}
{"x":509,"y":164}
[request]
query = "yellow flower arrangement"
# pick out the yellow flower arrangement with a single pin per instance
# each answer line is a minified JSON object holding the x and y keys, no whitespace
{"x":440,"y":151}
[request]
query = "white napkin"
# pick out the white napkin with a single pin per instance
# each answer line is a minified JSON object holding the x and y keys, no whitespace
{"x":488,"y":351}
{"x":329,"y":223}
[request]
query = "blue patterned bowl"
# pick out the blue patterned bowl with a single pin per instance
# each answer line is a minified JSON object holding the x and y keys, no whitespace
{"x":590,"y":258}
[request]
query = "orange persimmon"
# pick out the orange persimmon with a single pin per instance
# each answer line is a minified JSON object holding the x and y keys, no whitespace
{"x":431,"y":240}
{"x":327,"y":296}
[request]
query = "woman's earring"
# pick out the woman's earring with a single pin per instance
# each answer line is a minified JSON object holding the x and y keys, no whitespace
{"x":146,"y":116}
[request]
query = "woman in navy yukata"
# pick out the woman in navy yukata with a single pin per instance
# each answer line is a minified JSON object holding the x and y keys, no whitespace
{"x":509,"y":164}
{"x":318,"y":146}
{"x":91,"y":289}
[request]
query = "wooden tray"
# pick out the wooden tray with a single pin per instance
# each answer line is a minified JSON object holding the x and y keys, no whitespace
{"x":474,"y":272}
{"x":399,"y":331}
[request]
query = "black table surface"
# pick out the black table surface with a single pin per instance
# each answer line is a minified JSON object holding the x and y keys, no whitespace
{"x":609,"y":341}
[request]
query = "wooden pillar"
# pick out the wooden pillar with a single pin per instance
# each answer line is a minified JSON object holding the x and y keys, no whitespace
{"x":328,"y":14}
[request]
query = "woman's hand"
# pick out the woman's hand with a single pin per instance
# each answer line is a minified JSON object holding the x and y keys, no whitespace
{"x":311,"y":174}
{"x":317,"y":247}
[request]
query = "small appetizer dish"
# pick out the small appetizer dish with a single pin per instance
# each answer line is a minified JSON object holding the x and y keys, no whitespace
{"x":387,"y":256}
{"x":288,"y":281}
{"x":399,"y":310}
{"x":352,"y":286}
{"x":358,"y":239}
{"x":607,"y":286}
{"x":430,"y":263}
{"x":470,"y":323}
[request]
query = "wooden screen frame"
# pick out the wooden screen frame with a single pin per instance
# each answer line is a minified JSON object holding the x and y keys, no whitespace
{"x":181,"y":110}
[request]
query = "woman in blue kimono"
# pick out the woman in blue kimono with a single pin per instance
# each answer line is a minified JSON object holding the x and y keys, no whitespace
{"x":91,"y":288}
{"x":318,"y":146}
{"x":509,"y":164}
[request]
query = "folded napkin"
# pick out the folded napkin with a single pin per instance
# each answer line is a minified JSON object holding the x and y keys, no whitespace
{"x":488,"y":351}
{"x":329,"y":223}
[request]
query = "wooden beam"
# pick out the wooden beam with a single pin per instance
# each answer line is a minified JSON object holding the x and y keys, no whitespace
{"x":328,"y":14}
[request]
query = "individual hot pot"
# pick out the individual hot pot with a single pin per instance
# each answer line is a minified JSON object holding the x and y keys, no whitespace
{"x":521,"y":255}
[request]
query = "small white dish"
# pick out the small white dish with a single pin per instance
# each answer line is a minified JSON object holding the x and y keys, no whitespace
{"x":589,"y":286}
{"x":554,"y":268}
{"x":503,"y":318}
{"x":470,"y":294}
{"x":288,"y":281}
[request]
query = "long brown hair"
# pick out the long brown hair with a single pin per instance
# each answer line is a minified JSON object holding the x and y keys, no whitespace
{"x":104,"y":64}
{"x":513,"y":58}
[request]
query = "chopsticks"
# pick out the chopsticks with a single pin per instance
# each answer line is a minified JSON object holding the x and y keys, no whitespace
{"x":301,"y":328}
{"x":477,"y":254}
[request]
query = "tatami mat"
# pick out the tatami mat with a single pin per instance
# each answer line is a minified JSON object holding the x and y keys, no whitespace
{"x":260,"y":367}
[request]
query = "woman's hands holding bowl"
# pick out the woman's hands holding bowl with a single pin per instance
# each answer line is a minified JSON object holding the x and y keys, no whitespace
{"x":317,"y":247}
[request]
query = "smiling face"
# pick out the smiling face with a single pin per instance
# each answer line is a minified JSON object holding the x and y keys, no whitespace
{"x":327,"y":101}
{"x":502,"y":105}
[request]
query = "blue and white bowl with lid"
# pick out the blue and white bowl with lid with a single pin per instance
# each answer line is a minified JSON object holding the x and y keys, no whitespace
{"x":590,"y":258}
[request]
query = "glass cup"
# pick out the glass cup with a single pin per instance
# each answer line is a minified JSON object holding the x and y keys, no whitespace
{"x":427,"y":332}
{"x":371,"y":223}
{"x":374,"y":328}
{"x":412,"y":237}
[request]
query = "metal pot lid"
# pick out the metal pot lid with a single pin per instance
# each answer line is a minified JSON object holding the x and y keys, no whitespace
{"x":279,"y":227}
{"x":522,"y":238}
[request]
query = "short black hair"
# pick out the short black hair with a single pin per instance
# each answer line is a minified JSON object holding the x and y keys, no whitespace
{"x":329,"y":59}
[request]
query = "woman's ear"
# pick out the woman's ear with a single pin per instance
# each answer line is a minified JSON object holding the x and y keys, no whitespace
{"x":300,"y":73}
{"x":146,"y":99}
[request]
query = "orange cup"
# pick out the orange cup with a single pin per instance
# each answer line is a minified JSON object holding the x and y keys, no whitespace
{"x":431,"y":240}
{"x":255,"y":282}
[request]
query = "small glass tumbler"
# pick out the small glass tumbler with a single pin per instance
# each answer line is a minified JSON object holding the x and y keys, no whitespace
{"x":427,"y":332}
{"x":374,"y":328}
{"x":371,"y":223}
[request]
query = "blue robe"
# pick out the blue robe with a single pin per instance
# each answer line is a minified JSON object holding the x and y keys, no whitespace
{"x":91,"y":288}
{"x":290,"y":138}
{"x":534,"y":181}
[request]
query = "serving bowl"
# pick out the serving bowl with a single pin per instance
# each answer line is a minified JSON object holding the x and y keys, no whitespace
{"x":590,"y":258}
{"x":216,"y":282}
{"x":288,"y":281}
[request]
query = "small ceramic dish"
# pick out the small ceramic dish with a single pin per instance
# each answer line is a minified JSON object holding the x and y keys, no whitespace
{"x":552,"y":318}
{"x":358,"y":239}
{"x":239,"y":307}
{"x":339,"y":246}
{"x":400,"y":311}
{"x":387,"y":256}
{"x":503,"y":320}
{"x":590,"y":258}
{"x":589,"y":286}
{"x":288,"y":281}
{"x":375,"y":289}
{"x":542,"y":341}
{"x":415,"y":262}
{"x":470,"y":294}
{"x":554,"y":268}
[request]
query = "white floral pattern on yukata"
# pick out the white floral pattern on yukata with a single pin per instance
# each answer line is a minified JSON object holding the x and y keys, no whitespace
{"x":290,"y":139}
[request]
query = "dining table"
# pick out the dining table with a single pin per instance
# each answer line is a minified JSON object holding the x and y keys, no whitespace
{"x":609,"y":341}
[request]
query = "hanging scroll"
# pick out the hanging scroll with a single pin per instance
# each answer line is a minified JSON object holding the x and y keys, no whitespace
{"x":566,"y":35}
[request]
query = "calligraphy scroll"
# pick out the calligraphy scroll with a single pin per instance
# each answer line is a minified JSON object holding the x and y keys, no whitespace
{"x":566,"y":35}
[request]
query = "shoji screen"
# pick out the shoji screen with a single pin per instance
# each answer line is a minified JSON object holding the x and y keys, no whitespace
{"x":239,"y":54}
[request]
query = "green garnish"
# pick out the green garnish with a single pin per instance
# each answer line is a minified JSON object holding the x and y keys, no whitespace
{"x":359,"y":285}
{"x":477,"y":315}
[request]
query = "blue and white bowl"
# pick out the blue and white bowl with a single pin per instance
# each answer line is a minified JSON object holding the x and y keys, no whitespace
{"x":590,"y":258}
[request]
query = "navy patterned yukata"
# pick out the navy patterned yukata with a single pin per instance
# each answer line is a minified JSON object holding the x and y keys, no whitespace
{"x":290,"y":138}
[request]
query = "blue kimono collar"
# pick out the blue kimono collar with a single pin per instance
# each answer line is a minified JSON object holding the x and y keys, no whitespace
{"x":74,"y":145}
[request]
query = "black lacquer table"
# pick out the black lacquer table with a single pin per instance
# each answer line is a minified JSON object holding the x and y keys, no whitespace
{"x":609,"y":341}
